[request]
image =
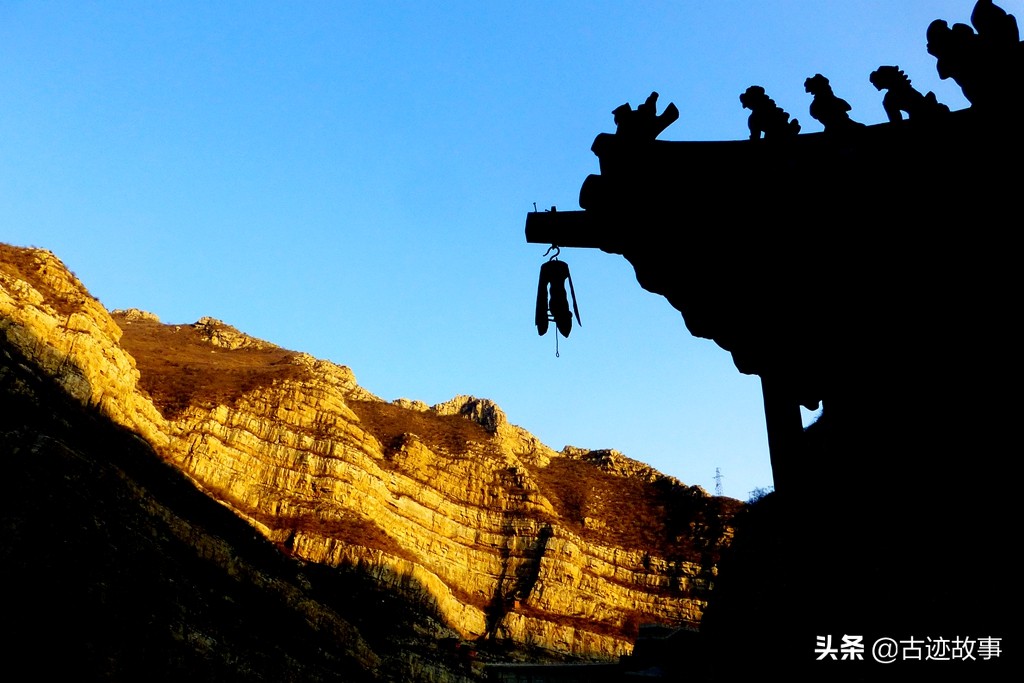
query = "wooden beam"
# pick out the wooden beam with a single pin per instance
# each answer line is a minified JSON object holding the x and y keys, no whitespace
{"x":564,"y":229}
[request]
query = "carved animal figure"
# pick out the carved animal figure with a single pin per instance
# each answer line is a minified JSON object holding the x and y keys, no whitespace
{"x":833,"y":112}
{"x":766,"y":117}
{"x":999,"y":50}
{"x":901,"y":96}
{"x":644,"y":123}
{"x":987,"y":65}
{"x":958,"y":56}
{"x":994,"y":24}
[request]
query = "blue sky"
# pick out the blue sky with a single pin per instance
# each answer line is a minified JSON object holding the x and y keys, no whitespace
{"x":351,"y":179}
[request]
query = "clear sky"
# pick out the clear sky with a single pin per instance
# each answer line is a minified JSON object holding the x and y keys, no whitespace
{"x":351,"y":179}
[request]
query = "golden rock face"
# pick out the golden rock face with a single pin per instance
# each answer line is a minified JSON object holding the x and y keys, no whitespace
{"x":506,"y":537}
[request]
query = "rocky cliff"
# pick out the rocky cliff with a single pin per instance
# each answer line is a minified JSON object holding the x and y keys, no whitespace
{"x":496,"y":536}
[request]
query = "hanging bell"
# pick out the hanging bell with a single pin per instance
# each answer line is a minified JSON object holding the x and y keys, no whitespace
{"x":553,"y":300}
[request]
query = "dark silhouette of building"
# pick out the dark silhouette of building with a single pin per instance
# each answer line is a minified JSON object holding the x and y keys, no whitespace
{"x":876,"y":277}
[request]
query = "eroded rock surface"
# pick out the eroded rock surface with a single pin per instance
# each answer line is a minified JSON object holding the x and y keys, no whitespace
{"x":506,"y":538}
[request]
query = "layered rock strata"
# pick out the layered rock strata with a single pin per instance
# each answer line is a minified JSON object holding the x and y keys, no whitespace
{"x":503,"y":536}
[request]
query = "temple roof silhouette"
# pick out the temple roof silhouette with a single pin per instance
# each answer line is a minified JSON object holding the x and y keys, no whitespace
{"x":820,"y":260}
{"x":872,"y":270}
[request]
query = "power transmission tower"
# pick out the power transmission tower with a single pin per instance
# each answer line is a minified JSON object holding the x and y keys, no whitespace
{"x":718,"y":481}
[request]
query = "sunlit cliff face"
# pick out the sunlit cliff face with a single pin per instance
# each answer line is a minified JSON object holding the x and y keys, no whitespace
{"x":504,"y":537}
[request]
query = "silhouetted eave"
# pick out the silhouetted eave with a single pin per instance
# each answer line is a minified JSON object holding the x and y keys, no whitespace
{"x":807,"y":257}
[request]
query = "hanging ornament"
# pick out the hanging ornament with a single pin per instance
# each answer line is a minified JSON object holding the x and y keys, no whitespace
{"x":552,"y":299}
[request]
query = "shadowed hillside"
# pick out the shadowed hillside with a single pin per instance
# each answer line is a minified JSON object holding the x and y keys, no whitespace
{"x":196,"y":496}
